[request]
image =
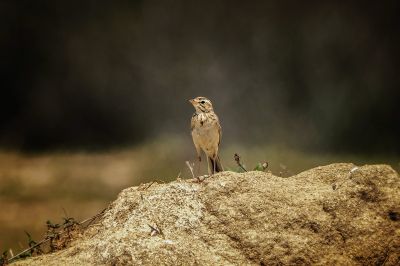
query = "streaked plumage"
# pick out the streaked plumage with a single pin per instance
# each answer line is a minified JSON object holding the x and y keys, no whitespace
{"x":206,"y":132}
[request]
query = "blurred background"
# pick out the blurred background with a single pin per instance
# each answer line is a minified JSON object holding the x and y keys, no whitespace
{"x":94,"y":94}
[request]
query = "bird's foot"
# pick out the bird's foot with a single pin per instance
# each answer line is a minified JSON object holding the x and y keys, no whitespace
{"x":200,"y":179}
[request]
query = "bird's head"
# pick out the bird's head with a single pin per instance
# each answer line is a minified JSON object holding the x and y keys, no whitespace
{"x":201,"y":104}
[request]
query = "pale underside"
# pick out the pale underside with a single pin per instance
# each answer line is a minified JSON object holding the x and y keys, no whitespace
{"x":206,"y":133}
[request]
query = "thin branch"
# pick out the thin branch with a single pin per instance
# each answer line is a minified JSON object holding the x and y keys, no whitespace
{"x":29,"y":249}
{"x":47,"y":239}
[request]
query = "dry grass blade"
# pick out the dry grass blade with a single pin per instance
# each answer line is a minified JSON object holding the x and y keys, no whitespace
{"x":190,"y":168}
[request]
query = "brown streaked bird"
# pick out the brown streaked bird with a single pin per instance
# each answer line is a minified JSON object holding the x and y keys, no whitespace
{"x":206,"y":133}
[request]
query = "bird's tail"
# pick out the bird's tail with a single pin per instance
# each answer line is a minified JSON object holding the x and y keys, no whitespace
{"x":215,"y":164}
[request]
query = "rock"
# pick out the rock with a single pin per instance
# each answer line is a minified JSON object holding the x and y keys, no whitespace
{"x":335,"y":214}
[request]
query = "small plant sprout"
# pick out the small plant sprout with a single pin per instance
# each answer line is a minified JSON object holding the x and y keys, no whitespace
{"x":50,"y":225}
{"x":3,"y":258}
{"x":261,"y":166}
{"x":31,"y":242}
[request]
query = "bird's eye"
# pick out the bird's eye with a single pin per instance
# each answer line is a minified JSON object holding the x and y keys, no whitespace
{"x":203,"y":102}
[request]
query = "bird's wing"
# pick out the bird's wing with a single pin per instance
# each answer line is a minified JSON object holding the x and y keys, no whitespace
{"x":219,"y":132}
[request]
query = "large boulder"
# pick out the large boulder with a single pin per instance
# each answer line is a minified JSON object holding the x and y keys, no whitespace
{"x":338,"y":214}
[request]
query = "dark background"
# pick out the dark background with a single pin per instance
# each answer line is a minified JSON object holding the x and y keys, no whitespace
{"x":316,"y":75}
{"x":94,"y":95}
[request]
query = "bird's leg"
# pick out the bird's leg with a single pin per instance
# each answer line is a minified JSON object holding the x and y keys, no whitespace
{"x":208,"y":165}
{"x":214,"y":163}
{"x":198,"y":167}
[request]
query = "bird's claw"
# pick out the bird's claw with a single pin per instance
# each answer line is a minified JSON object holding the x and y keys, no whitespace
{"x":201,"y":178}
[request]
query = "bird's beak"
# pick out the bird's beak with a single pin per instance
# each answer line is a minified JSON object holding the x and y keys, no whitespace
{"x":191,"y":101}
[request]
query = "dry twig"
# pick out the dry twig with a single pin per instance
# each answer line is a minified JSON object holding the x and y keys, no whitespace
{"x":237,"y":159}
{"x":53,"y":234}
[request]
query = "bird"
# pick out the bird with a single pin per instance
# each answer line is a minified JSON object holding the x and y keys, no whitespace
{"x":206,"y":133}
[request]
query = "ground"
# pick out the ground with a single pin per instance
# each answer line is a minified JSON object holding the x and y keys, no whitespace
{"x":338,"y":214}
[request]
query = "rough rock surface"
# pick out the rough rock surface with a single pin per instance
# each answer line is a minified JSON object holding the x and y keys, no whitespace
{"x":330,"y":215}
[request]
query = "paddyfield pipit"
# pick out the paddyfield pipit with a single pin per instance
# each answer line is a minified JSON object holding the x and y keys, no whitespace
{"x":206,"y":133}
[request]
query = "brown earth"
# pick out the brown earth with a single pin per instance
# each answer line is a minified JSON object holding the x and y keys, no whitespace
{"x":331,"y":215}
